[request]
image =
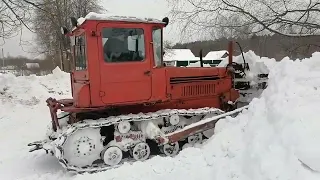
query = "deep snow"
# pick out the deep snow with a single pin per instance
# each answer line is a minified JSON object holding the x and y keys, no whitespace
{"x":277,"y":138}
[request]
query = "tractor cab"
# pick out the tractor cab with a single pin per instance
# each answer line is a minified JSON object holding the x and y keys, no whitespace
{"x":113,"y":59}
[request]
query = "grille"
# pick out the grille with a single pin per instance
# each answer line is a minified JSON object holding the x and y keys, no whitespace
{"x":196,"y":90}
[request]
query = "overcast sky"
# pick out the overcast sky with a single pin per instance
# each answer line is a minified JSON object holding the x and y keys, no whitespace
{"x":141,"y":8}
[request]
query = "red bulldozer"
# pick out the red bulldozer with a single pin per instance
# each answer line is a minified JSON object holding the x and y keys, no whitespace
{"x":126,"y":104}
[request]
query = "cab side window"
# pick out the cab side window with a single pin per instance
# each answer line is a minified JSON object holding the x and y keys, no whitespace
{"x":80,"y":53}
{"x":157,"y":46}
{"x":123,"y":44}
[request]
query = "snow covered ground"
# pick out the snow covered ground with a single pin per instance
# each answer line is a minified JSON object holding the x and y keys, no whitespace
{"x":276,"y":138}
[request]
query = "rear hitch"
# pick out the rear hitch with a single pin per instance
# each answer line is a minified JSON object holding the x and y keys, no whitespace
{"x":54,"y":105}
{"x":38,"y":145}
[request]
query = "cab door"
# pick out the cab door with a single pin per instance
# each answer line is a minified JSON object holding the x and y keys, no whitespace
{"x":125,"y":66}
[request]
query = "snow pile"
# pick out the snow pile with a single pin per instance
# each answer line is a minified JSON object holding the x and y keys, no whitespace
{"x":257,"y":64}
{"x":24,"y":118}
{"x":57,"y":83}
{"x":30,"y":90}
{"x":276,"y":138}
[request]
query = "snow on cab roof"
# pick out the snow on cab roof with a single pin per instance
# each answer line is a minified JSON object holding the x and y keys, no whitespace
{"x":108,"y":17}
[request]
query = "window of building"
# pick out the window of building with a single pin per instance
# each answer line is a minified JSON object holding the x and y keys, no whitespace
{"x":123,"y":44}
{"x":216,"y":61}
{"x":80,"y":53}
{"x":207,"y":62}
{"x":182,"y":63}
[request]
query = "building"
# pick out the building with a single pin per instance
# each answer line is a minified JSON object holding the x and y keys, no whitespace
{"x":32,"y":66}
{"x":215,"y":57}
{"x":184,"y":57}
{"x":179,"y":57}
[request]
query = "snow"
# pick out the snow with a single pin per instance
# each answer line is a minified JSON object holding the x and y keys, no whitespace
{"x":257,"y":64}
{"x":276,"y":138}
{"x":30,"y":90}
{"x":109,"y":17}
{"x":23,"y":119}
{"x":215,"y":55}
{"x":214,"y":118}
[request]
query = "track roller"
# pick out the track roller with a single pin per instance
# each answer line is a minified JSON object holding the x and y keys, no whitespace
{"x":140,"y":151}
{"x":196,"y":138}
{"x":170,"y":149}
{"x":124,"y":127}
{"x":112,"y":155}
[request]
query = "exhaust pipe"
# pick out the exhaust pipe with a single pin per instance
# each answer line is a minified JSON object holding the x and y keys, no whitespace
{"x":230,"y":51}
{"x":201,"y":60}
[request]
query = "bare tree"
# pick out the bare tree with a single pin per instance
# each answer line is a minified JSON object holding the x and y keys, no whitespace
{"x":48,"y":21}
{"x":234,"y":18}
{"x":14,"y":14}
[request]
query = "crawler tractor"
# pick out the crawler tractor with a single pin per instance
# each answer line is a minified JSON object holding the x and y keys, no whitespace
{"x":127,"y":105}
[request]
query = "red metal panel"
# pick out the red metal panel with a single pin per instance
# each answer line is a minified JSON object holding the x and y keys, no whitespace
{"x":82,"y":95}
{"x":93,"y":63}
{"x":158,"y":85}
{"x":125,"y":81}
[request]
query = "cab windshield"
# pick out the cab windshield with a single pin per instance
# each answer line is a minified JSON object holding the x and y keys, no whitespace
{"x":123,"y":44}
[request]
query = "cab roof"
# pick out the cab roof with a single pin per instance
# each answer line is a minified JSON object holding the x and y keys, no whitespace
{"x":107,"y":17}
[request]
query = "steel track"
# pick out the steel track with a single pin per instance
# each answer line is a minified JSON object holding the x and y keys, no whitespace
{"x":68,"y":131}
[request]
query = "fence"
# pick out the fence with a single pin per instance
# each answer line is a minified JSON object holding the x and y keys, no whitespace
{"x":22,"y":72}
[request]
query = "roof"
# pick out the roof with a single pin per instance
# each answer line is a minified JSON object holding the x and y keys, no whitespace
{"x":108,"y":17}
{"x":179,"y":55}
{"x":32,"y":65}
{"x":214,"y":55}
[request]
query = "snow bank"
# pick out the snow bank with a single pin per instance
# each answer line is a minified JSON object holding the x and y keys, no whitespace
{"x":277,"y":138}
{"x":257,"y":64}
{"x":24,"y":118}
{"x":30,"y":90}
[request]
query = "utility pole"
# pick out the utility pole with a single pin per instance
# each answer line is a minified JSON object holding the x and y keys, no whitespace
{"x":2,"y":61}
{"x":61,"y":57}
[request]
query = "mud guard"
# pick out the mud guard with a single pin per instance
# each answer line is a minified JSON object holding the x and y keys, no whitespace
{"x":198,"y":127}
